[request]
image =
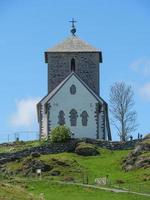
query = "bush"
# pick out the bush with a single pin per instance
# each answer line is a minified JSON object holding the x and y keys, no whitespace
{"x":60,"y":134}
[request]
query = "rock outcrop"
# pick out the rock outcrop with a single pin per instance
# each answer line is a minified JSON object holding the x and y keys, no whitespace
{"x":139,"y":157}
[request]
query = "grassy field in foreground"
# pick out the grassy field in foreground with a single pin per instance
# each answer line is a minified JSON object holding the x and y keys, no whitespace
{"x":107,"y":163}
{"x":47,"y":190}
{"x":15,"y":192}
{"x":68,"y":192}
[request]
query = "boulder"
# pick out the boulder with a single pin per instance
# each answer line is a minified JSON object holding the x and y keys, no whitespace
{"x":4,"y":160}
{"x":35,"y":154}
{"x":55,"y":173}
{"x":86,"y":149}
{"x":128,"y":168}
{"x":143,"y":162}
{"x":60,"y":162}
{"x":33,"y":165}
{"x":138,"y":149}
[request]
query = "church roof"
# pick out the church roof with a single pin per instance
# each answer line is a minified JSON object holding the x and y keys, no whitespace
{"x":73,"y":44}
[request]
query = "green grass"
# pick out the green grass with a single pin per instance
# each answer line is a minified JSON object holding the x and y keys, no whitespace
{"x":146,"y":141}
{"x":53,"y":191}
{"x":19,"y":146}
{"x":15,"y":192}
{"x":47,"y":190}
{"x":108,"y":163}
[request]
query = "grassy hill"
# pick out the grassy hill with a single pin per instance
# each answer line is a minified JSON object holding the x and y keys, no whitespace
{"x":72,"y":167}
{"x":9,"y":191}
{"x":41,"y":190}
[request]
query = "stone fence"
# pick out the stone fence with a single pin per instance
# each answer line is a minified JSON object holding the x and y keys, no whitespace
{"x":64,"y":147}
{"x":113,"y":145}
{"x":43,"y":149}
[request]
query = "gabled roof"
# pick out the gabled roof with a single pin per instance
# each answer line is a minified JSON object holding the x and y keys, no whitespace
{"x":52,"y":93}
{"x":73,"y":44}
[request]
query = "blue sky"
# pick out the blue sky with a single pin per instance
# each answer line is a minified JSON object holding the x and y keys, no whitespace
{"x":120,"y":29}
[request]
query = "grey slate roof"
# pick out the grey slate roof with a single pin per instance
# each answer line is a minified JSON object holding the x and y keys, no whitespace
{"x":73,"y":44}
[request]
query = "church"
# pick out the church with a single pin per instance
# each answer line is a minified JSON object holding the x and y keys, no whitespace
{"x":73,"y":97}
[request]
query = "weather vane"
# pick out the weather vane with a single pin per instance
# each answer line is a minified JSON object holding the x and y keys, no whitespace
{"x":73,"y":30}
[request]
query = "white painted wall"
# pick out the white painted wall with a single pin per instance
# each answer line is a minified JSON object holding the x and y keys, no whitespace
{"x":82,"y":100}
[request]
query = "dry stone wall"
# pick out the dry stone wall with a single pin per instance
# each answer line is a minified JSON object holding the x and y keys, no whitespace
{"x":64,"y":147}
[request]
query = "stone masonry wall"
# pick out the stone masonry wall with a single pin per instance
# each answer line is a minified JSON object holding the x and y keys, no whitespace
{"x":43,"y":149}
{"x":113,"y":145}
{"x":64,"y":147}
{"x":86,"y":67}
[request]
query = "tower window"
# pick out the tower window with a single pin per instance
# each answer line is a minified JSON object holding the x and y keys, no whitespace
{"x":61,"y":118}
{"x":73,"y":65}
{"x":84,"y":117}
{"x":73,"y":117}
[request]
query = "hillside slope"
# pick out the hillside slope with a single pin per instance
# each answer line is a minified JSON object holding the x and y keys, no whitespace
{"x":72,"y":167}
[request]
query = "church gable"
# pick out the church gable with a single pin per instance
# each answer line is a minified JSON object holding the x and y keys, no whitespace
{"x":71,"y":83}
{"x":75,"y":106}
{"x":72,"y":104}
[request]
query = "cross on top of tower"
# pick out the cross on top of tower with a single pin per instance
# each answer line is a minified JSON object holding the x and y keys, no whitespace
{"x":73,"y":30}
{"x":73,"y":21}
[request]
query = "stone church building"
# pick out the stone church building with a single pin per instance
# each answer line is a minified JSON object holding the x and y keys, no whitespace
{"x":73,"y":97}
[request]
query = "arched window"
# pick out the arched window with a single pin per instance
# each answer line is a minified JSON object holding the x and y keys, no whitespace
{"x":84,"y":117}
{"x":73,"y":117}
{"x":73,"y":89}
{"x":61,"y":118}
{"x":73,"y":66}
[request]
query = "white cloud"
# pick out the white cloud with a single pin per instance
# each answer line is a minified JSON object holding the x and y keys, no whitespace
{"x":145,"y":91}
{"x":142,"y":66}
{"x":25,"y":114}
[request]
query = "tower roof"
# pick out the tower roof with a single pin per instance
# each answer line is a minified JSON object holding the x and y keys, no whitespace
{"x":73,"y":44}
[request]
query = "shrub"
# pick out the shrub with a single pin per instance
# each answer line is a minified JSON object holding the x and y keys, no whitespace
{"x":55,"y":173}
{"x":60,"y":134}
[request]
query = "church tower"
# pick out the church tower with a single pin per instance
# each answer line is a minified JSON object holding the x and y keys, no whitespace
{"x":73,"y":97}
{"x":73,"y":54}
